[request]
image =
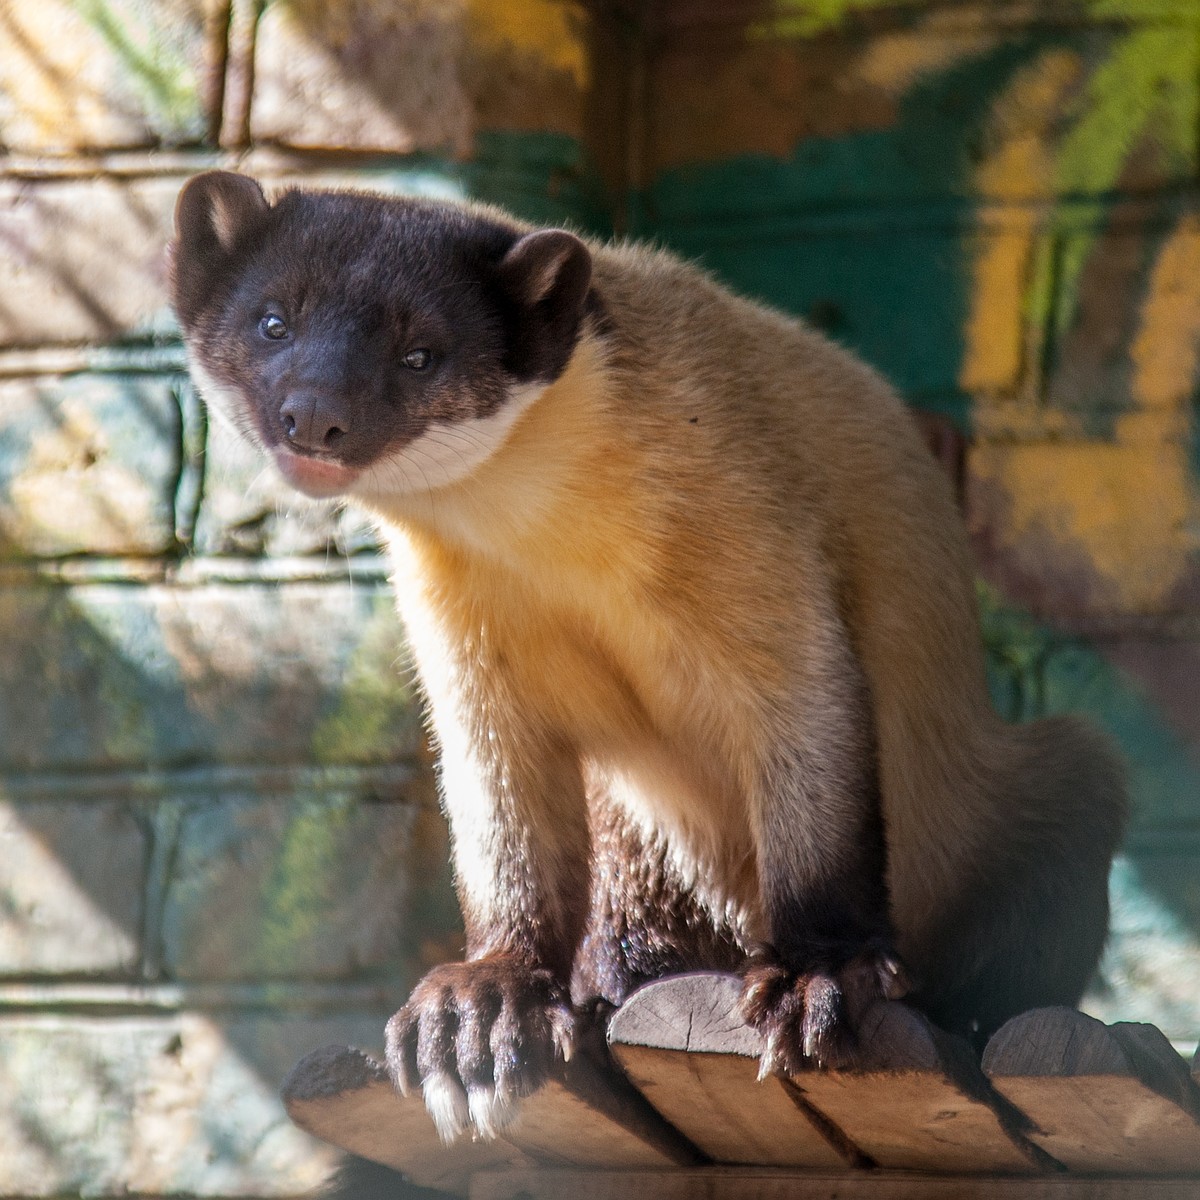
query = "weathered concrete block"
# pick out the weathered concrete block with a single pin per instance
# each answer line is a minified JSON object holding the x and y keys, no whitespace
{"x":102,"y":76}
{"x":1151,"y":968}
{"x":1067,"y":529}
{"x":174,"y":675}
{"x":314,"y":887}
{"x":71,"y":884}
{"x":418,"y":75}
{"x":248,"y":509}
{"x":89,"y":464}
{"x":361,"y":75}
{"x":184,"y":1104}
{"x":84,"y":259}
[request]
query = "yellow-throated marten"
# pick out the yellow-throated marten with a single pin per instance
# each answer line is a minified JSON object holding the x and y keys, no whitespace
{"x":694,"y":615}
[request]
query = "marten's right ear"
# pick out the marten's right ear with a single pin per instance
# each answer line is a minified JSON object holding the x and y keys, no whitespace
{"x":212,"y":211}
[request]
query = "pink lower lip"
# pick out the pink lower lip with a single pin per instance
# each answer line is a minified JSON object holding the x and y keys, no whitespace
{"x":313,"y":476}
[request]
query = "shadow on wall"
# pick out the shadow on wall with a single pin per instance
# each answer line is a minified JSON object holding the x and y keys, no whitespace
{"x":201,"y":911}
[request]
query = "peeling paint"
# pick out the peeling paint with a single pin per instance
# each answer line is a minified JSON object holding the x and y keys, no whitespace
{"x":1166,"y":350}
{"x":1048,"y":508}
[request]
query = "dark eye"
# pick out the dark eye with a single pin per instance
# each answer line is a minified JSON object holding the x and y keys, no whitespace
{"x":273,"y":327}
{"x":417,"y":360}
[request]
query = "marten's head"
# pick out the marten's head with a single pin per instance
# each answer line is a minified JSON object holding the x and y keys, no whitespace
{"x":367,"y":341}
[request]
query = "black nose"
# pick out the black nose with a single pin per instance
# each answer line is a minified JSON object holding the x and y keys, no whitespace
{"x":313,"y":420}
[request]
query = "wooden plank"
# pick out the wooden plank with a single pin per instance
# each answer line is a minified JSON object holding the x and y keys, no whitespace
{"x":1113,"y":1098}
{"x":587,"y":1117}
{"x":344,"y":1097}
{"x":684,"y":1046}
{"x":749,"y":1183}
{"x":918,"y":1101}
{"x":595,"y":1117}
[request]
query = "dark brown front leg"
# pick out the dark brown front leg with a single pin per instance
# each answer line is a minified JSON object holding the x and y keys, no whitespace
{"x":477,"y":1036}
{"x":822,"y":864}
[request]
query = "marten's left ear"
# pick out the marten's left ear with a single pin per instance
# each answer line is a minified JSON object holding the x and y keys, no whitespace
{"x":545,"y":278}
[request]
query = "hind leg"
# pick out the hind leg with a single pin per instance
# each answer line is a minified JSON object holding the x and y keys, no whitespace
{"x":644,"y":922}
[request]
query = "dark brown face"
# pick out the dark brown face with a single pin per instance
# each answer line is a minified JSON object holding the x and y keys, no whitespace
{"x":340,"y":329}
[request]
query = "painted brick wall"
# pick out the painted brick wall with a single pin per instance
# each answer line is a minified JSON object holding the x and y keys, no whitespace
{"x":219,"y":844}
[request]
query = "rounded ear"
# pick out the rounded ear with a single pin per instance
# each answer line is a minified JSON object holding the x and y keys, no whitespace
{"x":212,"y":211}
{"x":545,"y":278}
{"x":215,"y":207}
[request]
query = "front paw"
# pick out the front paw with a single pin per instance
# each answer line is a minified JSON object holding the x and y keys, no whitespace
{"x":477,"y":1036}
{"x":809,"y":1018}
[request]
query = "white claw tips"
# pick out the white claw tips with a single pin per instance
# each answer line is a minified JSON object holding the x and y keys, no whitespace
{"x":769,"y":1063}
{"x":448,"y":1105}
{"x":562,"y":1033}
{"x":491,"y":1112}
{"x":564,"y":1043}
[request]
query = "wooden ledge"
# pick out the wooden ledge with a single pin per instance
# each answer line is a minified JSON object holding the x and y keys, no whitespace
{"x":918,"y":1100}
{"x":1062,"y":1107}
{"x":586,"y":1117}
{"x":1111,"y":1098}
{"x":749,"y":1183}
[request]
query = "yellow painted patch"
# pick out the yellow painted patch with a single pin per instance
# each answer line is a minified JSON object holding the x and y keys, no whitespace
{"x":895,"y":62}
{"x":1017,"y":166}
{"x":993,"y":333}
{"x":1123,"y":505}
{"x":1122,"y":510}
{"x":1166,"y":351}
{"x":548,"y":29}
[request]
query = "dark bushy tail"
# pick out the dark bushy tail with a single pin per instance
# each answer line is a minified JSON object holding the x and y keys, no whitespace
{"x":1028,"y":929}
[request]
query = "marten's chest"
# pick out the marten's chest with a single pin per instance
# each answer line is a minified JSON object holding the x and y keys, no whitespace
{"x":655,"y":696}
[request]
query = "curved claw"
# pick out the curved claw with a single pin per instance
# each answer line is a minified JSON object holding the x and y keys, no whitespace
{"x":809,"y":1018}
{"x":476,"y":1037}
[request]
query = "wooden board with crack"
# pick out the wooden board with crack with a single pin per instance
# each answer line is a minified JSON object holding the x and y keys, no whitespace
{"x":1060,"y":1100}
